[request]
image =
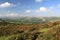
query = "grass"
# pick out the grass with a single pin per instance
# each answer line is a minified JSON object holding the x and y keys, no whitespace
{"x":7,"y":37}
{"x":44,"y":30}
{"x":10,"y":36}
{"x":2,"y":38}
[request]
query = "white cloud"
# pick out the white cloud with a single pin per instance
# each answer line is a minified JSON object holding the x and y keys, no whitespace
{"x":6,"y":4}
{"x":58,"y":5}
{"x":12,"y":14}
{"x":1,"y":15}
{"x":37,"y":11}
{"x":28,"y":11}
{"x":43,"y":9}
{"x":38,"y":0}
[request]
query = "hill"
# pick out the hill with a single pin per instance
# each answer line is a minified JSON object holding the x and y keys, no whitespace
{"x":10,"y":30}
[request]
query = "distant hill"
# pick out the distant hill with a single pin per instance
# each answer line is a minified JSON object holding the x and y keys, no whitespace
{"x":30,"y":20}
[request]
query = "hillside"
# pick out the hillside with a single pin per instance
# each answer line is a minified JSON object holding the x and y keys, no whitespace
{"x":31,"y":20}
{"x":35,"y":31}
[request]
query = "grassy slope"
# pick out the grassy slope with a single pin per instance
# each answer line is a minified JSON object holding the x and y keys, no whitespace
{"x":41,"y":30}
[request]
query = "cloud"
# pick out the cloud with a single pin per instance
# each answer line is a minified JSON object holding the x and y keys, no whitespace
{"x":6,"y":4}
{"x":38,"y":0}
{"x":28,"y":11}
{"x":43,"y":9}
{"x":12,"y":14}
{"x":1,"y":15}
{"x":58,"y":5}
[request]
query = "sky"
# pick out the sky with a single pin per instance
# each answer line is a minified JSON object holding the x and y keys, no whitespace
{"x":33,"y":8}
